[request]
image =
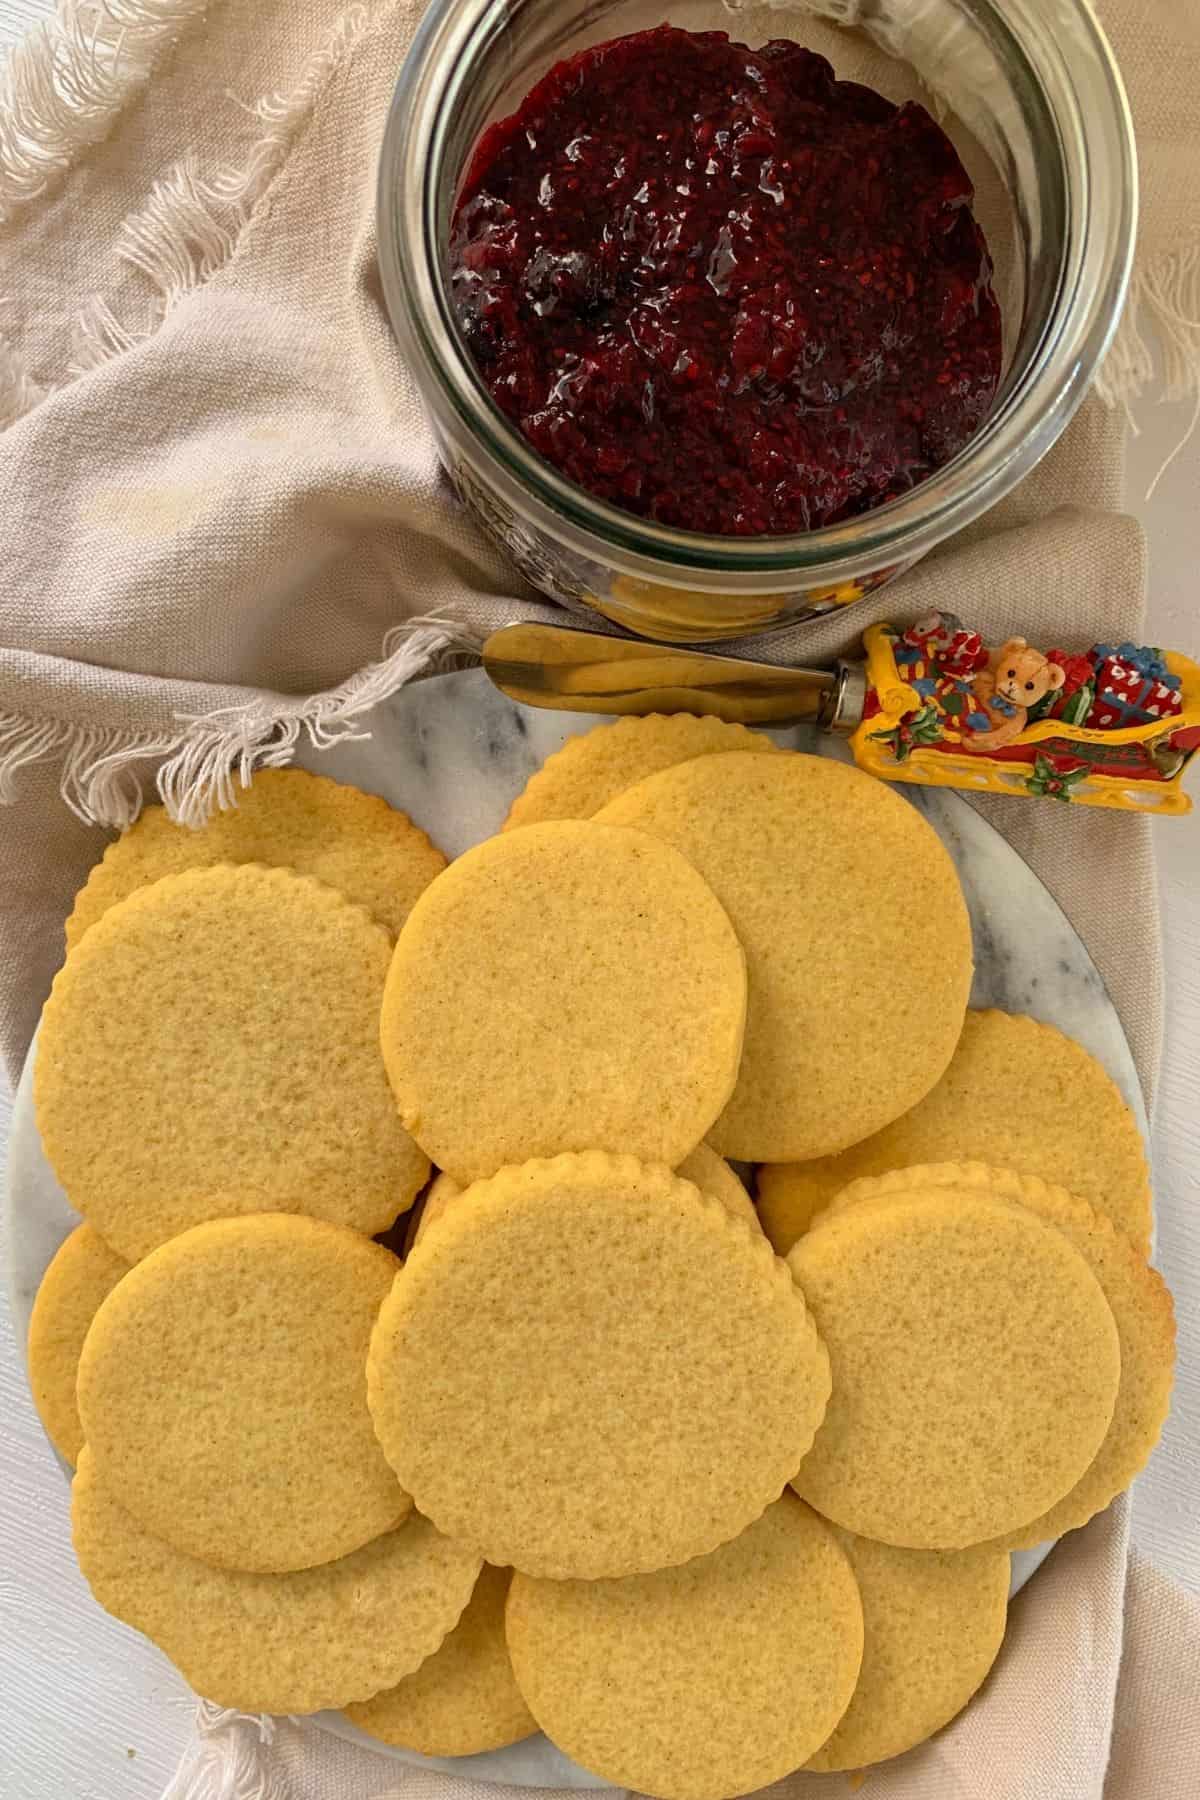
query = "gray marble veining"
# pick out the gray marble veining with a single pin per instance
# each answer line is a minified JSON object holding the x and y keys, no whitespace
{"x":452,"y":752}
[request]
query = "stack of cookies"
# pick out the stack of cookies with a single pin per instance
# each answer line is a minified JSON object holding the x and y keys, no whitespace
{"x":705,"y":1490}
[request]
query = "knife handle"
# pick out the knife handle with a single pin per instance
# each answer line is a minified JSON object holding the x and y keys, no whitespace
{"x":1114,"y":727}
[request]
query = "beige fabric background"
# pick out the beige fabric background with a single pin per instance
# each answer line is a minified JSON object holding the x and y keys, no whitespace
{"x":217,"y":492}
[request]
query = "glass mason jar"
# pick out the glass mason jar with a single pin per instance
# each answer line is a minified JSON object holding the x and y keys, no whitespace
{"x":1036,"y":86}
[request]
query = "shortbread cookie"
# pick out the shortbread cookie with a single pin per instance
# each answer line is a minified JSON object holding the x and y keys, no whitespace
{"x":564,"y":987}
{"x":286,"y":818}
{"x":211,"y":1047}
{"x":292,"y":1643}
{"x":589,"y":1368}
{"x":464,"y":1698}
{"x":443,"y":1190}
{"x":1141,"y":1306}
{"x":975,"y":1364}
{"x":590,"y":770}
{"x":1017,"y":1095}
{"x":713,"y":1175}
{"x":933,"y":1623}
{"x":830,"y":880}
{"x":710,"y":1172}
{"x":791,"y":1195}
{"x":222,"y":1391}
{"x":698,"y":1682}
{"x":84,"y":1272}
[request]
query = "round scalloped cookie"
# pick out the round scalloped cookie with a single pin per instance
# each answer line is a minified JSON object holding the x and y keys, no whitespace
{"x":223,"y":1395}
{"x":975,"y":1365}
{"x":592,"y":769}
{"x":698,"y":1682}
{"x":211,"y":1048}
{"x":563,"y":987}
{"x":708,"y":1171}
{"x":286,"y":818}
{"x":82,"y":1274}
{"x":293,"y":1643}
{"x":790,"y":1195}
{"x":590,"y":1369}
{"x":933,"y":1624}
{"x":464,"y":1698}
{"x":830,"y":880}
{"x":1140,"y":1303}
{"x":1017,"y":1095}
{"x":442,"y":1190}
{"x":713,"y":1175}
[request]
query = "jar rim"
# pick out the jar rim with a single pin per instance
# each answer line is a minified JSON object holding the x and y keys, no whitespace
{"x":1096,"y":145}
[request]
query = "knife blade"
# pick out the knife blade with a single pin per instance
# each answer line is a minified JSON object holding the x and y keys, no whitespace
{"x":587,"y":671}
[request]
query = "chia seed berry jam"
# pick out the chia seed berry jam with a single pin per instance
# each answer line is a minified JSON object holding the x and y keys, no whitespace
{"x":720,"y":289}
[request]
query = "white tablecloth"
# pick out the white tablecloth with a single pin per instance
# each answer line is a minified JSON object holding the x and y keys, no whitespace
{"x":88,"y":1711}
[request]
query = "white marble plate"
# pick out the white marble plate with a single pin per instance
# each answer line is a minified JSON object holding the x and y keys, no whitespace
{"x":452,"y":752}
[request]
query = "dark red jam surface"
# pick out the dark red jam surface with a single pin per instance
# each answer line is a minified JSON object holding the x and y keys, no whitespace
{"x":720,"y":289}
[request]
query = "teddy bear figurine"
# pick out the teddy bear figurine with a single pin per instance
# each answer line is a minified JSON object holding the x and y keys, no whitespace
{"x":1016,"y":678}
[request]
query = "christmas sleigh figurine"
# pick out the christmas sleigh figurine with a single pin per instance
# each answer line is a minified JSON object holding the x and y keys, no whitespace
{"x":1115,"y":726}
